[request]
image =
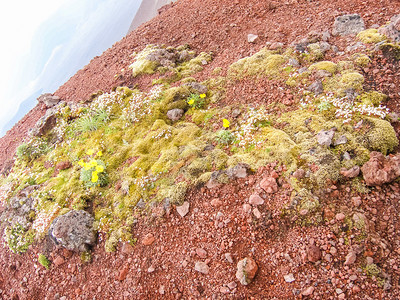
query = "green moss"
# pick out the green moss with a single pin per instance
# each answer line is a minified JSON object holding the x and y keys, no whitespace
{"x":370,"y":36}
{"x":42,"y":259}
{"x":325,"y":66}
{"x":372,"y":270}
{"x":143,"y":65}
{"x":361,"y":60}
{"x":264,"y":62}
{"x":381,"y":136}
{"x":391,"y":50}
{"x":352,"y":80}
{"x":372,"y":98}
{"x":315,"y":52}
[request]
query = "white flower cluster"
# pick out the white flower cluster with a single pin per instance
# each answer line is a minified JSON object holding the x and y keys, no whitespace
{"x":251,"y":122}
{"x":345,"y":109}
{"x":107,"y":100}
{"x":5,"y":191}
{"x":146,"y":182}
{"x":137,"y":108}
{"x":44,"y":219}
{"x":165,"y":133}
{"x":155,"y":92}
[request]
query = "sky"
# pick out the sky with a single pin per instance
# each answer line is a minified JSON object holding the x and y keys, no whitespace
{"x":44,"y":43}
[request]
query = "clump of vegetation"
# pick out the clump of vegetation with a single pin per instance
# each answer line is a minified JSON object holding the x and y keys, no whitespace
{"x":93,"y":172}
{"x":225,"y":137}
{"x":18,"y":239}
{"x":196,"y":101}
{"x":42,"y":259}
{"x":32,"y":149}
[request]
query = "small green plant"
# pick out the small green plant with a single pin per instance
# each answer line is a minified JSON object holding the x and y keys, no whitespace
{"x":225,"y":137}
{"x":324,"y":106}
{"x":93,"y":172}
{"x":18,"y":239}
{"x":32,"y":150}
{"x":92,"y":122}
{"x":42,"y":259}
{"x":86,"y":257}
{"x":196,"y":101}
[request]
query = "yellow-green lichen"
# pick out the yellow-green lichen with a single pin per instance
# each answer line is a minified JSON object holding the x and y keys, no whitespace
{"x":352,"y":80}
{"x":372,"y":98}
{"x":380,"y":136}
{"x":329,"y":66}
{"x":369,"y":36}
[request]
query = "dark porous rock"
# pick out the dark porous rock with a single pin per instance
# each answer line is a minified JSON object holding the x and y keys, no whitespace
{"x":380,"y":169}
{"x":175,"y":114}
{"x":74,"y":231}
{"x":238,"y":171}
{"x":246,"y":270}
{"x":348,"y":24}
{"x":45,"y":123}
{"x":197,"y":87}
{"x":316,"y":87}
{"x":49,"y":100}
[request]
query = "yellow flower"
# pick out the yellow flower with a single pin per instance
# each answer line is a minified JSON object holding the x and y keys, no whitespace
{"x":92,"y":163}
{"x":225,"y":123}
{"x":95,"y":177}
{"x":202,"y":95}
{"x":81,"y":163}
{"x":191,"y":101}
{"x":99,"y":169}
{"x":86,"y":166}
{"x":99,"y":153}
{"x":90,"y":152}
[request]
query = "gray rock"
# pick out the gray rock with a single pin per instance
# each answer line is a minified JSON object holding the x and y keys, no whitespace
{"x":238,"y":171}
{"x":74,"y":230}
{"x":316,"y":87}
{"x":346,"y":156}
{"x":324,"y":137}
{"x":197,"y":87}
{"x":175,"y":114}
{"x":348,"y":24}
{"x":49,"y":100}
{"x":289,"y":278}
{"x":45,"y":123}
{"x":251,"y":38}
{"x":294,"y":62}
{"x":392,"y":30}
{"x":340,"y":141}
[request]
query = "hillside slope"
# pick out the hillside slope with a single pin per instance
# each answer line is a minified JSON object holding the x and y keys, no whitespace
{"x":224,"y":149}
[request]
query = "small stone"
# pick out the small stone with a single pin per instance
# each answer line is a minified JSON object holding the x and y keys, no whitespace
{"x":224,"y":290}
{"x":123,"y":273}
{"x":293,"y":62}
{"x":353,"y":277}
{"x":150,"y":269}
{"x":256,"y":200}
{"x":289,"y":278}
{"x":276,"y":46}
{"x":369,"y":260}
{"x":251,"y":38}
{"x":201,"y":267}
{"x":246,"y":208}
{"x":269,"y":185}
{"x":256,"y":213}
{"x":316,"y":87}
{"x":338,"y":291}
{"x":148,"y":239}
{"x":348,"y":24}
{"x":299,"y":173}
{"x":313,"y":253}
{"x":246,"y":270}
{"x":350,"y":173}
{"x":201,"y":253}
{"x":232,"y":285}
{"x":126,"y":248}
{"x":356,"y":289}
{"x":342,"y":296}
{"x":356,"y":201}
{"x":346,"y":156}
{"x":340,"y":216}
{"x":175,"y":114}
{"x":350,"y":258}
{"x":161,"y":290}
{"x":183,"y":209}
{"x":324,"y":137}
{"x":333,"y":250}
{"x":59,"y":260}
{"x":229,"y":258}
{"x":216,"y":202}
{"x":308,"y":291}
